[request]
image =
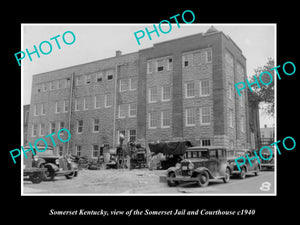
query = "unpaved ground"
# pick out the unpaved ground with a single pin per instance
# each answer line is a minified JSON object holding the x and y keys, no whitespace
{"x":143,"y":181}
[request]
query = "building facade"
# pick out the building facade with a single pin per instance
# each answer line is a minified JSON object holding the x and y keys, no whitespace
{"x":181,"y":89}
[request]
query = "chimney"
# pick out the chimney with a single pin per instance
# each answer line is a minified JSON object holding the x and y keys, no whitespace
{"x":118,"y":53}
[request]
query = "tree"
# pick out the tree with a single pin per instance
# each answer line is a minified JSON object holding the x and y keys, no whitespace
{"x":264,"y":94}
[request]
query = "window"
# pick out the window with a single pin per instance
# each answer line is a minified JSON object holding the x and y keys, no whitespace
{"x":204,"y":87}
{"x":133,"y":83}
{"x":190,"y":89}
{"x":108,"y":100}
{"x":122,"y":110}
{"x":88,"y":79}
{"x":153,"y":119}
{"x":52,"y":85}
{"x":170,"y":64}
{"x":230,"y":119}
{"x":79,"y":104}
{"x":132,"y":109}
{"x":132,"y":135}
{"x":45,"y":86}
{"x":109,"y":74}
{"x":166,"y":93}
{"x":204,"y":142}
{"x":85,"y":104}
{"x":231,"y":144}
{"x":165,"y":119}
{"x":57,"y":107}
{"x":79,"y":126}
{"x":150,"y":65}
{"x":35,"y":111}
{"x":61,"y":83}
{"x":187,"y":60}
{"x":38,"y":88}
{"x":97,"y":101}
{"x":78,"y":150}
{"x":96,"y":126}
{"x":160,"y":65}
{"x":79,"y":80}
{"x":205,"y":115}
{"x":52,"y":127}
{"x":42,"y":129}
{"x":34,"y":130}
{"x":66,"y":106}
{"x":153,"y":94}
{"x":208,"y":56}
{"x":61,"y":124}
{"x":124,"y":85}
{"x":196,"y":58}
{"x":43,"y":109}
{"x":99,"y":77}
{"x":242,"y":123}
{"x":95,"y":152}
{"x":190,"y":117}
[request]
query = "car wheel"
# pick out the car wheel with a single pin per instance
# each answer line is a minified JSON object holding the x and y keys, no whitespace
{"x":70,"y":176}
{"x":49,"y":174}
{"x":227,"y":175}
{"x":36,"y":178}
{"x":242,"y":174}
{"x":172,"y":183}
{"x":203,"y":179}
{"x":256,"y":171}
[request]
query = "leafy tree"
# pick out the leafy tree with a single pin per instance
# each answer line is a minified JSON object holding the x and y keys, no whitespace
{"x":264,"y":94}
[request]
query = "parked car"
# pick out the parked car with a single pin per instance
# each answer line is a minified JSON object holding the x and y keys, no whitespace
{"x":245,"y":168}
{"x":267,"y":164}
{"x":200,"y":164}
{"x":138,"y":158}
{"x":34,"y":174}
{"x":55,"y":164}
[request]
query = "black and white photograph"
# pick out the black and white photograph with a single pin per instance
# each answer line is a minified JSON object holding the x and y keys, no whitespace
{"x":170,"y":115}
{"x":145,"y":109}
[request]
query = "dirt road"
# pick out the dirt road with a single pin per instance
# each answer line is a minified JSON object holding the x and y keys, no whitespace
{"x":141,"y":181}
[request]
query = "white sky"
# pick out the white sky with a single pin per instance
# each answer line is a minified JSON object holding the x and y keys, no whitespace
{"x":100,"y":41}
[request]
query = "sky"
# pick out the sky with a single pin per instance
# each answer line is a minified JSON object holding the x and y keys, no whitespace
{"x":99,"y":41}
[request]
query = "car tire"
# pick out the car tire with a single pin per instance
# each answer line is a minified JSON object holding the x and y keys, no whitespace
{"x":36,"y":177}
{"x":70,"y":176}
{"x":203,"y":178}
{"x":172,"y":183}
{"x":49,"y":174}
{"x":242,"y":174}
{"x":227,"y":176}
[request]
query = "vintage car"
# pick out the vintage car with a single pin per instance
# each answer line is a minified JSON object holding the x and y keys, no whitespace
{"x":138,"y":158}
{"x":267,"y":164}
{"x":34,"y":174}
{"x":55,"y":164}
{"x":200,"y":164}
{"x":245,"y":168}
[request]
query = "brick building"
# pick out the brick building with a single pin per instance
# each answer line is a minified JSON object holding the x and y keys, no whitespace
{"x":182,"y":89}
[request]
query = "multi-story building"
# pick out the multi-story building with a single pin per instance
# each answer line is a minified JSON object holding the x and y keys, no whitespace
{"x":181,"y":89}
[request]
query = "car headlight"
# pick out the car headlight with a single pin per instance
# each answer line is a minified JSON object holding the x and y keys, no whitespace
{"x":191,"y":166}
{"x":178,"y":165}
{"x":35,"y":158}
{"x":57,"y":161}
